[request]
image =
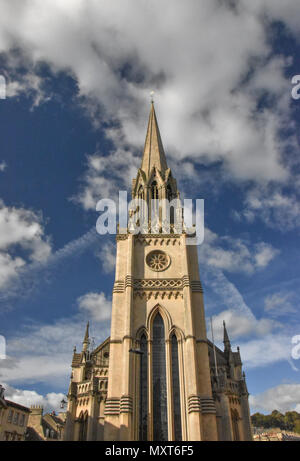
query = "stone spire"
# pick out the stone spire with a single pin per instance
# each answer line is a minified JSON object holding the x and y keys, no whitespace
{"x":86,"y":338}
{"x":226,"y":341}
{"x":154,"y":154}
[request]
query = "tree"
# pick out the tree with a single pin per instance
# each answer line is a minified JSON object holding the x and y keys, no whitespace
{"x":289,"y":421}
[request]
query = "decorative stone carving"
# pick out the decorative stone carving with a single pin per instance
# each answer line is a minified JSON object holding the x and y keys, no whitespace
{"x":158,"y":260}
{"x":158,"y":239}
{"x":157,"y":284}
{"x":158,"y":294}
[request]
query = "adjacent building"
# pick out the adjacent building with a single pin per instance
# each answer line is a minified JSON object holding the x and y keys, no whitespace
{"x":13,"y":421}
{"x":48,"y":427}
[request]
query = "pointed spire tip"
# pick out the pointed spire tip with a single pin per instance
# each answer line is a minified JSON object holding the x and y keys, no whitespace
{"x":86,"y":336}
{"x":154,"y":155}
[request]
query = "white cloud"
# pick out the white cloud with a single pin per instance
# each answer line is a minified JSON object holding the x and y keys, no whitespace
{"x":261,"y":352}
{"x":235,"y":255}
{"x":274,"y":207}
{"x":23,"y":227}
{"x":107,"y":256}
{"x":3,"y":165}
{"x":9,"y":267}
{"x":23,"y":230}
{"x":240,"y":325}
{"x":97,"y":183}
{"x":284,"y":397}
{"x":42,"y":353}
{"x":95,"y":305}
{"x":197,"y":57}
{"x":265,"y":254}
{"x":49,"y":402}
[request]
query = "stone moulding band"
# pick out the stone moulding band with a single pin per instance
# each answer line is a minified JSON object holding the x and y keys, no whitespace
{"x":158,"y":239}
{"x":203,"y":405}
{"x":194,"y":405}
{"x":126,"y":404}
{"x":207,"y":405}
{"x":112,"y":406}
{"x":129,"y":281}
{"x":157,"y":284}
{"x":156,"y":236}
{"x":146,"y":239}
{"x":158,"y":294}
{"x":196,"y":286}
{"x":119,"y":286}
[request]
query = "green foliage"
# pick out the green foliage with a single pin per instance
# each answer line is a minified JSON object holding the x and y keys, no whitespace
{"x":290,"y":421}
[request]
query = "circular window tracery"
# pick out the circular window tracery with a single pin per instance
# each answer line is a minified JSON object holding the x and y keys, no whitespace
{"x":158,"y":260}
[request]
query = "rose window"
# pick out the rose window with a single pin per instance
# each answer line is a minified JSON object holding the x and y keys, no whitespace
{"x":158,"y":260}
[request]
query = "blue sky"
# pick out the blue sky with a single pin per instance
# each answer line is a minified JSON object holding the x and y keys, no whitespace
{"x":78,"y":78}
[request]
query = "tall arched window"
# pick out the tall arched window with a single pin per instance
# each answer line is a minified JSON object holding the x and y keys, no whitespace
{"x":154,"y":204}
{"x":154,"y":190}
{"x":169,"y":192}
{"x":141,"y":192}
{"x":170,"y":197}
{"x":176,"y":390}
{"x":235,"y":425}
{"x":143,"y":389}
{"x":141,"y":203}
{"x":160,"y":415}
{"x":83,"y":420}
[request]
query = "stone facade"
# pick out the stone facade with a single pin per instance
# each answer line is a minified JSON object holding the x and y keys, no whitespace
{"x":47,"y":427}
{"x":13,"y":421}
{"x":157,"y":377}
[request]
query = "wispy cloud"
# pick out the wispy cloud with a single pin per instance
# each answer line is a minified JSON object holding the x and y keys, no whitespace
{"x":279,"y":304}
{"x":42,"y":353}
{"x":107,"y":256}
{"x":28,"y":278}
{"x":234,"y":254}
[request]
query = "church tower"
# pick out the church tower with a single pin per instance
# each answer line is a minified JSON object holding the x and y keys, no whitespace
{"x":159,"y":379}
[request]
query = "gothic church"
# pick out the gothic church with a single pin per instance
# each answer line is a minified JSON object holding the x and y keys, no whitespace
{"x":157,"y":377}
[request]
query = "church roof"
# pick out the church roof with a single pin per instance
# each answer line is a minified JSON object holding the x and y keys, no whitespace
{"x":101,"y":346}
{"x":9,"y":403}
{"x":76,"y":359}
{"x":154,"y":155}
